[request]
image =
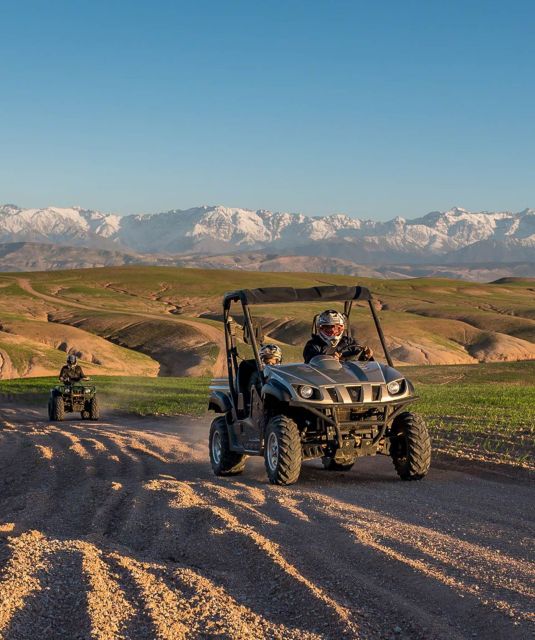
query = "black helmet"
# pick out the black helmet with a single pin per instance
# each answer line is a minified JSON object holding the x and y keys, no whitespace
{"x":71,"y":358}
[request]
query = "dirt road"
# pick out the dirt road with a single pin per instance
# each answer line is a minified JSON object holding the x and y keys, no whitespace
{"x":118,"y":529}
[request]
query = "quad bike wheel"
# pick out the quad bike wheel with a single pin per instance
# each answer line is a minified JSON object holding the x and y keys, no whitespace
{"x":224,"y":461}
{"x":329,"y":464}
{"x":282,"y":451}
{"x":56,"y":409}
{"x":94,"y":411}
{"x":410,"y":446}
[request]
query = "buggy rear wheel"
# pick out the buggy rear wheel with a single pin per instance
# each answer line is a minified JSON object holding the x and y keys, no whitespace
{"x":410,"y":446}
{"x":329,"y":464}
{"x":224,"y":461}
{"x":57,"y":413}
{"x":282,"y":451}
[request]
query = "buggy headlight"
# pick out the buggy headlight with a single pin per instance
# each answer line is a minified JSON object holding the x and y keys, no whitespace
{"x":306,"y":391}
{"x":393,"y":387}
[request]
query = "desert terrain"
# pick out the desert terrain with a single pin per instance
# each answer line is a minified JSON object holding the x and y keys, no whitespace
{"x":165,"y":321}
{"x":118,"y":529}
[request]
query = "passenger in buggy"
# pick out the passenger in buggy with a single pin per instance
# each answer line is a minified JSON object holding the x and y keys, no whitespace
{"x":271,"y":356}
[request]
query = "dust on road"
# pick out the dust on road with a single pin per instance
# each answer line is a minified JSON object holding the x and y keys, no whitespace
{"x":118,"y":529}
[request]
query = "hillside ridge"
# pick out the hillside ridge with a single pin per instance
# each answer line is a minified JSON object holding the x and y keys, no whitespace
{"x":172,"y":318}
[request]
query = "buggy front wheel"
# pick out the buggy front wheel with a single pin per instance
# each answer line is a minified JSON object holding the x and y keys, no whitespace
{"x":282,"y":451}
{"x":224,"y":461}
{"x":410,"y":446}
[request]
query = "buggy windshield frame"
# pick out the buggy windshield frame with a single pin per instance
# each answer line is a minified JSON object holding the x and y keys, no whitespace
{"x":281,"y":295}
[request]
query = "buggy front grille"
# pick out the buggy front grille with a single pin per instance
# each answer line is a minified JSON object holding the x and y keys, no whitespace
{"x":333,"y":393}
{"x":355,"y":393}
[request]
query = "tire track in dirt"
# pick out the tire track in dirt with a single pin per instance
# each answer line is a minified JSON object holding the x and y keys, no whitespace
{"x":123,"y":521}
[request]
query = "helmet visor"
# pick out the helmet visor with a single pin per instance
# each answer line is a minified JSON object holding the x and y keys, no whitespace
{"x":332,"y":330}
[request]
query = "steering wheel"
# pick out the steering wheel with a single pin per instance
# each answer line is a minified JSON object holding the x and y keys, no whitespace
{"x":352,"y":353}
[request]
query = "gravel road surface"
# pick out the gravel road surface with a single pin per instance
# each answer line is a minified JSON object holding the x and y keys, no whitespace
{"x":118,"y":529}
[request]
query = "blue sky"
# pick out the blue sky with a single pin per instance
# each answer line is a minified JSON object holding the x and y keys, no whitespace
{"x":370,"y":109}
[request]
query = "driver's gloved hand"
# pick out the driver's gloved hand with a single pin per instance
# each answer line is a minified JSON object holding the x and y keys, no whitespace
{"x":351,"y":351}
{"x":367,"y":353}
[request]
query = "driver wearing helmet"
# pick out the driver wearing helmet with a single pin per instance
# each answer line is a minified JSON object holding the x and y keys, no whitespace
{"x":71,"y":372}
{"x":330,"y":339}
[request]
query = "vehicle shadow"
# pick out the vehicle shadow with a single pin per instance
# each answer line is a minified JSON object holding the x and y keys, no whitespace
{"x":177,"y":544}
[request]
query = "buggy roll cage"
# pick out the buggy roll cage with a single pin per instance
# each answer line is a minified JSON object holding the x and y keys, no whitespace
{"x":274,"y":295}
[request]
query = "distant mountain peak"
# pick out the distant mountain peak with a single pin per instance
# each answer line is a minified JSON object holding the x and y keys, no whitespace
{"x":456,"y":233}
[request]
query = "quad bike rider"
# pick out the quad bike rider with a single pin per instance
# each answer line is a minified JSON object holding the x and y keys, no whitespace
{"x":71,"y":371}
{"x":329,"y":338}
{"x":71,"y":395}
{"x":341,"y":404}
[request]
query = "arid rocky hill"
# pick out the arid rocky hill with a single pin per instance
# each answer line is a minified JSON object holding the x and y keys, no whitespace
{"x":166,"y":320}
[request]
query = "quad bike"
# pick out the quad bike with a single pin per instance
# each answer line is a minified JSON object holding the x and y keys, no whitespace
{"x":330,"y":409}
{"x":67,"y":398}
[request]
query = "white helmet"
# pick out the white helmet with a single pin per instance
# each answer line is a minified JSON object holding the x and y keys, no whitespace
{"x":269,"y":351}
{"x":331,"y":325}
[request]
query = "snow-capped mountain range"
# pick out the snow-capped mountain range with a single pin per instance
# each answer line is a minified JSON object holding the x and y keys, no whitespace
{"x":456,"y":235}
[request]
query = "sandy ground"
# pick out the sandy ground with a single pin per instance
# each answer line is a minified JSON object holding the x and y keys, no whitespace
{"x":118,"y":529}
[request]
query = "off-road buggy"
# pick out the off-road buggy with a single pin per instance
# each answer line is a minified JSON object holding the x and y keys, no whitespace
{"x":67,"y":398}
{"x":329,"y":409}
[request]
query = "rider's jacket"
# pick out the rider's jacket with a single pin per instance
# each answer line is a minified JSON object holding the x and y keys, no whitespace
{"x":69,"y":373}
{"x":317,"y":347}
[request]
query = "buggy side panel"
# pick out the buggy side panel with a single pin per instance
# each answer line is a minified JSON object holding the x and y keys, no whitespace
{"x":219,"y":402}
{"x":276,"y":390}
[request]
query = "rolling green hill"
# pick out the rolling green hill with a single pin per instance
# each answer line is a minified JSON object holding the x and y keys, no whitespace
{"x":170,"y":317}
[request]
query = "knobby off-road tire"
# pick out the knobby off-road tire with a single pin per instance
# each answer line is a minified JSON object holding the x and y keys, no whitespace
{"x":410,"y":446}
{"x":282,"y":451}
{"x":50,"y":414}
{"x":329,"y":464}
{"x":224,"y":461}
{"x":58,"y":409}
{"x":94,"y":411}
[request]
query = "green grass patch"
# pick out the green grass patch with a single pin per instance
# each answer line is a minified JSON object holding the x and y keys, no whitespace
{"x":479,"y":410}
{"x":137,"y":395}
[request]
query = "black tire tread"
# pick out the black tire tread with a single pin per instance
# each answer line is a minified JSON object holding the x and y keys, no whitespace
{"x":58,"y":409}
{"x":231,"y":463}
{"x":290,"y":451}
{"x":94,"y":409}
{"x":415,"y":465}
